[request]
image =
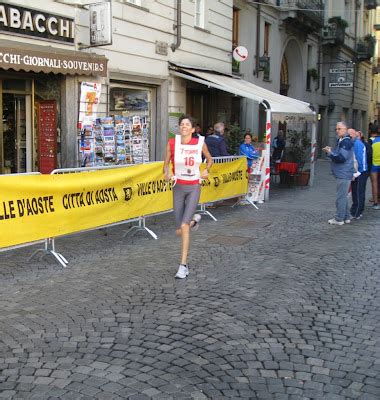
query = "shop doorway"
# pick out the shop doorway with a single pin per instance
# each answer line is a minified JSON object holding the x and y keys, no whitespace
{"x":15,"y":129}
{"x":197,"y":105}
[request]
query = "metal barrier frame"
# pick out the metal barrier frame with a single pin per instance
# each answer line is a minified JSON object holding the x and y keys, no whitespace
{"x":221,"y":160}
{"x":19,"y":246}
{"x":49,"y":243}
{"x":141,"y":226}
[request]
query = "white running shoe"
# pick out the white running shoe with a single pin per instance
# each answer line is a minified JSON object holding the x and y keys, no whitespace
{"x":195,"y":220}
{"x":347,"y":221}
{"x":182,"y":272}
{"x":333,"y":221}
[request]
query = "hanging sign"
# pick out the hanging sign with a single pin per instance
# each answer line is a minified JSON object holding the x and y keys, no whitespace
{"x":100,"y":24}
{"x":341,"y":77}
{"x":341,"y":84}
{"x":341,"y":70}
{"x":240,"y":53}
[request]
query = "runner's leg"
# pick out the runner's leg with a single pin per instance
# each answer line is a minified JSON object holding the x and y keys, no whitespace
{"x":374,"y":187}
{"x":191,"y":201}
{"x":178,"y":206}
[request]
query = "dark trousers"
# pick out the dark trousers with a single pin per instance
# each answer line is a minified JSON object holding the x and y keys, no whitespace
{"x":358,"y":187}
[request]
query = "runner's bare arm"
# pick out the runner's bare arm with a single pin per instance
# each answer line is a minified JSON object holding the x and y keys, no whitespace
{"x":208,"y":157}
{"x":167,"y":162}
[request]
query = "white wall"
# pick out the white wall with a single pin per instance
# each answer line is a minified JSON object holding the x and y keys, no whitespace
{"x":136,"y":30}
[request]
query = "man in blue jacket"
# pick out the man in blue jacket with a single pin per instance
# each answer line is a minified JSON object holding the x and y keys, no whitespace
{"x":342,"y":167}
{"x":358,"y":185}
{"x":216,"y":143}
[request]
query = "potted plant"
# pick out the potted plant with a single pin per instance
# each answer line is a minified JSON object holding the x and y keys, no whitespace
{"x":235,"y":138}
{"x":337,"y":27}
{"x":339,"y":22}
{"x":298,"y":152}
{"x":313,"y":73}
{"x":299,"y":146}
{"x":371,"y":42}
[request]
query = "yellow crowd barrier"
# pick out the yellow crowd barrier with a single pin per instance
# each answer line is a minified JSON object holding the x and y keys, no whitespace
{"x":36,"y":207}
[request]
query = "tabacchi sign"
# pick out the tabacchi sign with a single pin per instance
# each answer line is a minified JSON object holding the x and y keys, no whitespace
{"x":28,"y":22}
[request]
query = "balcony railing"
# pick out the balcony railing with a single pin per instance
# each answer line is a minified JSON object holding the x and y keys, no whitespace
{"x":365,"y":48}
{"x":313,"y":9}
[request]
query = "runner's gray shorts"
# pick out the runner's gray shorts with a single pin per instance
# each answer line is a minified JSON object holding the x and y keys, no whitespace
{"x":185,"y":199}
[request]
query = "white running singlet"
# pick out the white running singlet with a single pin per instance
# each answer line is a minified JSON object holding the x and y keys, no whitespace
{"x":187,"y":159}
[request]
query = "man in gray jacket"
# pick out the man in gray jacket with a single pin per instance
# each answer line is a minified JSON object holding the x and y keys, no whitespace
{"x":342,"y":167}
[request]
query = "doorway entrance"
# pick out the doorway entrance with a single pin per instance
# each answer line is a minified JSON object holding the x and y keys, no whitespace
{"x":15,"y":126}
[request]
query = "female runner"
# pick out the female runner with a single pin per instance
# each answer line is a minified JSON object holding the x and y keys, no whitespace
{"x":185,"y":154}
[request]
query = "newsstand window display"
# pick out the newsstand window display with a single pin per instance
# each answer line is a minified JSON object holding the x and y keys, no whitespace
{"x":124,"y":136}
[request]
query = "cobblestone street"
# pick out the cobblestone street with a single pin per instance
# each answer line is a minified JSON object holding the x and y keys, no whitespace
{"x":278,"y":305}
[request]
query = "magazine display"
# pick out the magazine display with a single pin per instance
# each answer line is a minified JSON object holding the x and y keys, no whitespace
{"x":115,"y":140}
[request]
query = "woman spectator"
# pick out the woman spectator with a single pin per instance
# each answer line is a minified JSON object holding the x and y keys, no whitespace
{"x":247,"y":149}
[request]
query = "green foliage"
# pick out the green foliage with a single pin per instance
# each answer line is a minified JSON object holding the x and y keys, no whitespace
{"x":299,"y":148}
{"x":235,"y":66}
{"x":235,"y":138}
{"x":339,"y":21}
{"x":313,"y":73}
{"x":371,"y":41}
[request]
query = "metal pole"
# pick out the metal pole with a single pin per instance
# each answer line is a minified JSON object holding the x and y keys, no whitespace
{"x":313,"y":148}
{"x":268,"y":140}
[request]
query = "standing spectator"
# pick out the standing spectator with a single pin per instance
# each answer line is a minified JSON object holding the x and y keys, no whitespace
{"x":221,"y":130}
{"x":210,"y":130}
{"x":216,"y":143}
{"x":342,"y":166}
{"x":247,"y":149}
{"x":374,"y":127}
{"x":375,"y":169}
{"x":358,"y":185}
{"x":278,"y":147}
{"x":368,"y":148}
{"x":198,"y":131}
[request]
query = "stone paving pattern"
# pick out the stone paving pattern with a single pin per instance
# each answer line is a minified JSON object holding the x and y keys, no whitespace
{"x":291,"y":314}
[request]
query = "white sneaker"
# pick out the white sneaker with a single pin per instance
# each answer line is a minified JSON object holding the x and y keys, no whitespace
{"x":182,"y":272}
{"x":376,"y":206}
{"x":347,"y":221}
{"x":195,"y":220}
{"x":333,"y":221}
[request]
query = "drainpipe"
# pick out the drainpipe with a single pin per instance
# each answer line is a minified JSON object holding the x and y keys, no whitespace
{"x":258,"y":17}
{"x":319,"y":63}
{"x":177,"y":26}
{"x":357,"y":4}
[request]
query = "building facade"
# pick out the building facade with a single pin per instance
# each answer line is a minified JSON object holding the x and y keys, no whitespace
{"x":133,"y":71}
{"x":374,"y":100}
{"x":316,"y":51}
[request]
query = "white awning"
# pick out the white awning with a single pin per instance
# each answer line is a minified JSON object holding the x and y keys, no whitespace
{"x":277,"y":103}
